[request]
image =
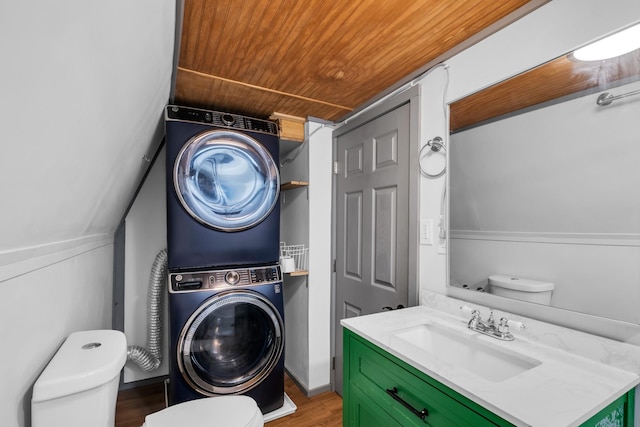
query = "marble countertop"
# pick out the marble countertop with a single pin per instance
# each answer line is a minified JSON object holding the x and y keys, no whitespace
{"x":565,"y":388}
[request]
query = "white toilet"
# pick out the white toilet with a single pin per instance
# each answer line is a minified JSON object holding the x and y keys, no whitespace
{"x":79,"y":388}
{"x":521,"y":289}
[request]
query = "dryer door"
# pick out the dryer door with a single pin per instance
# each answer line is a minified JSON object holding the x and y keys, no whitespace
{"x":231,"y":343}
{"x":226,"y":180}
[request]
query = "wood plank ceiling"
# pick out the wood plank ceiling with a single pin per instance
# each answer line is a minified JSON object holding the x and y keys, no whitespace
{"x":321,"y":58}
{"x":561,"y":77}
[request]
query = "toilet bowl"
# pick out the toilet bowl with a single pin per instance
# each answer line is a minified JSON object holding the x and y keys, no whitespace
{"x":521,"y":289}
{"x":79,"y":387}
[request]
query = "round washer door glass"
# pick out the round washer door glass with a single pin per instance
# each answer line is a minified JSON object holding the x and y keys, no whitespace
{"x":226,"y":180}
{"x":231,"y":343}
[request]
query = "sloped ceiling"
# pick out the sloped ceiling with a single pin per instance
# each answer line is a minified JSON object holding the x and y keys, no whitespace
{"x":320,"y":58}
{"x":83,"y":85}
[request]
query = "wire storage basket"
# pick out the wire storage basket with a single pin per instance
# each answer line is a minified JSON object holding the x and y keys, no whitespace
{"x":293,"y":258}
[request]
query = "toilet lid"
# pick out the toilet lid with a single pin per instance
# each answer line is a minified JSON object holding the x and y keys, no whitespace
{"x":227,"y":411}
{"x":520,"y":284}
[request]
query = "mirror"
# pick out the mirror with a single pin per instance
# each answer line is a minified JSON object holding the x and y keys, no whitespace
{"x":543,"y":185}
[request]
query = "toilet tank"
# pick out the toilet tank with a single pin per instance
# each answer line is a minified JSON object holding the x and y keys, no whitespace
{"x":519,"y":288}
{"x":79,"y":386}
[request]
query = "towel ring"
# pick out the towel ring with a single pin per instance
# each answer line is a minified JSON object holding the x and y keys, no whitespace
{"x":436,"y":144}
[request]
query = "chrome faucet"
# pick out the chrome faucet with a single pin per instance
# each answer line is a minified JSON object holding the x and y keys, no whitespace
{"x":488,"y":327}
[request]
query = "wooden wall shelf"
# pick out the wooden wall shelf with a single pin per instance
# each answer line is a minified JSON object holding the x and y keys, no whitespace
{"x":293,"y":184}
{"x":298,"y":273}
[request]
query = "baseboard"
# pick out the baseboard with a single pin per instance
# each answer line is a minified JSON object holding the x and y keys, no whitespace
{"x":142,"y":383}
{"x":307,"y":392}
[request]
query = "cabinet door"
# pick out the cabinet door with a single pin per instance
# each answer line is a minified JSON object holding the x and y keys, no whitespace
{"x":365,"y":412}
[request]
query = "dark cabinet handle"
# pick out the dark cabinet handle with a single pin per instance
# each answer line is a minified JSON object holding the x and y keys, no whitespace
{"x":393,"y":392}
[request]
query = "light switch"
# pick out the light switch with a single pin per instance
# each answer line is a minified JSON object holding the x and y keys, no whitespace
{"x":426,"y":231}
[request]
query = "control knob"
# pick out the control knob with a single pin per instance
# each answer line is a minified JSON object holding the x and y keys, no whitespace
{"x":227,"y":119}
{"x":232,"y":277}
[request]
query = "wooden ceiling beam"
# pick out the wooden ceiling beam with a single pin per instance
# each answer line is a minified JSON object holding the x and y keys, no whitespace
{"x":205,"y":91}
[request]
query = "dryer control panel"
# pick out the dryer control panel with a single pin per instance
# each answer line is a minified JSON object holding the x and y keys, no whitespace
{"x":220,"y":119}
{"x":220,"y":279}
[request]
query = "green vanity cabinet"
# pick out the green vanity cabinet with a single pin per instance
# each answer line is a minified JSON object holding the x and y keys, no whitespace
{"x":620,"y":413}
{"x":370,"y":376}
{"x":381,"y":390}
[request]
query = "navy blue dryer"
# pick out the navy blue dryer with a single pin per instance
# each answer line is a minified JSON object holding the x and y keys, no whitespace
{"x":227,"y":335}
{"x":223,"y":185}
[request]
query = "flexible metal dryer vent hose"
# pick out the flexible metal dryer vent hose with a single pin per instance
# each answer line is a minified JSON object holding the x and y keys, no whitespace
{"x":150,"y":358}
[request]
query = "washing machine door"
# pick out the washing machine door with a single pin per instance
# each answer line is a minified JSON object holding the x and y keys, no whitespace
{"x":231,"y":343}
{"x":226,"y":180}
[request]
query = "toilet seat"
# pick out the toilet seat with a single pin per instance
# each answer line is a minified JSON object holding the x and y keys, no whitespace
{"x":224,"y":411}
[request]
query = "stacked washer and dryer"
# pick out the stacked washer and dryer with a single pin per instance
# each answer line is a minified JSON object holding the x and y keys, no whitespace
{"x":225,"y":285}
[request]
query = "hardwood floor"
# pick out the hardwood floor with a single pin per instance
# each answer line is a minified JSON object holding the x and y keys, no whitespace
{"x":323,"y":410}
{"x":135,"y":404}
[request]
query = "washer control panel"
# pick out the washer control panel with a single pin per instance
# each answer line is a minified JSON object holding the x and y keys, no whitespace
{"x":220,"y":119}
{"x":228,"y":278}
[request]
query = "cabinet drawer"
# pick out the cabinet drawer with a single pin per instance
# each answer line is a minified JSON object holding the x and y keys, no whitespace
{"x":373,"y":372}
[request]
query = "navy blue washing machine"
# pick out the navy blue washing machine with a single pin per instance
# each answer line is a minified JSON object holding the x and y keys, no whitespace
{"x":223,"y":185}
{"x":227,"y":335}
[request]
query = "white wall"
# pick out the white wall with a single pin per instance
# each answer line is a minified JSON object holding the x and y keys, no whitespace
{"x":83,"y":86}
{"x":433,"y":123}
{"x":554,"y":29}
{"x":320,"y":261}
{"x":145,"y":236}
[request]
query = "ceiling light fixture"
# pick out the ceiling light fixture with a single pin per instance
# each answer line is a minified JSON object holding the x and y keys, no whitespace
{"x":616,"y":44}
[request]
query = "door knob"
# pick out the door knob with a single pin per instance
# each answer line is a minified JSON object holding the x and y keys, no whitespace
{"x":391,"y":308}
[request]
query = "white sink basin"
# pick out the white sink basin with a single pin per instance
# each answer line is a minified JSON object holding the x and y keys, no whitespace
{"x":466,"y":351}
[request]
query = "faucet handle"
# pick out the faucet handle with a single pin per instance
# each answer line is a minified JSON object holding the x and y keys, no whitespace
{"x":503,"y":326}
{"x":516,"y":324}
{"x":491,"y":321}
{"x":475,"y":316}
{"x":466,"y":310}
